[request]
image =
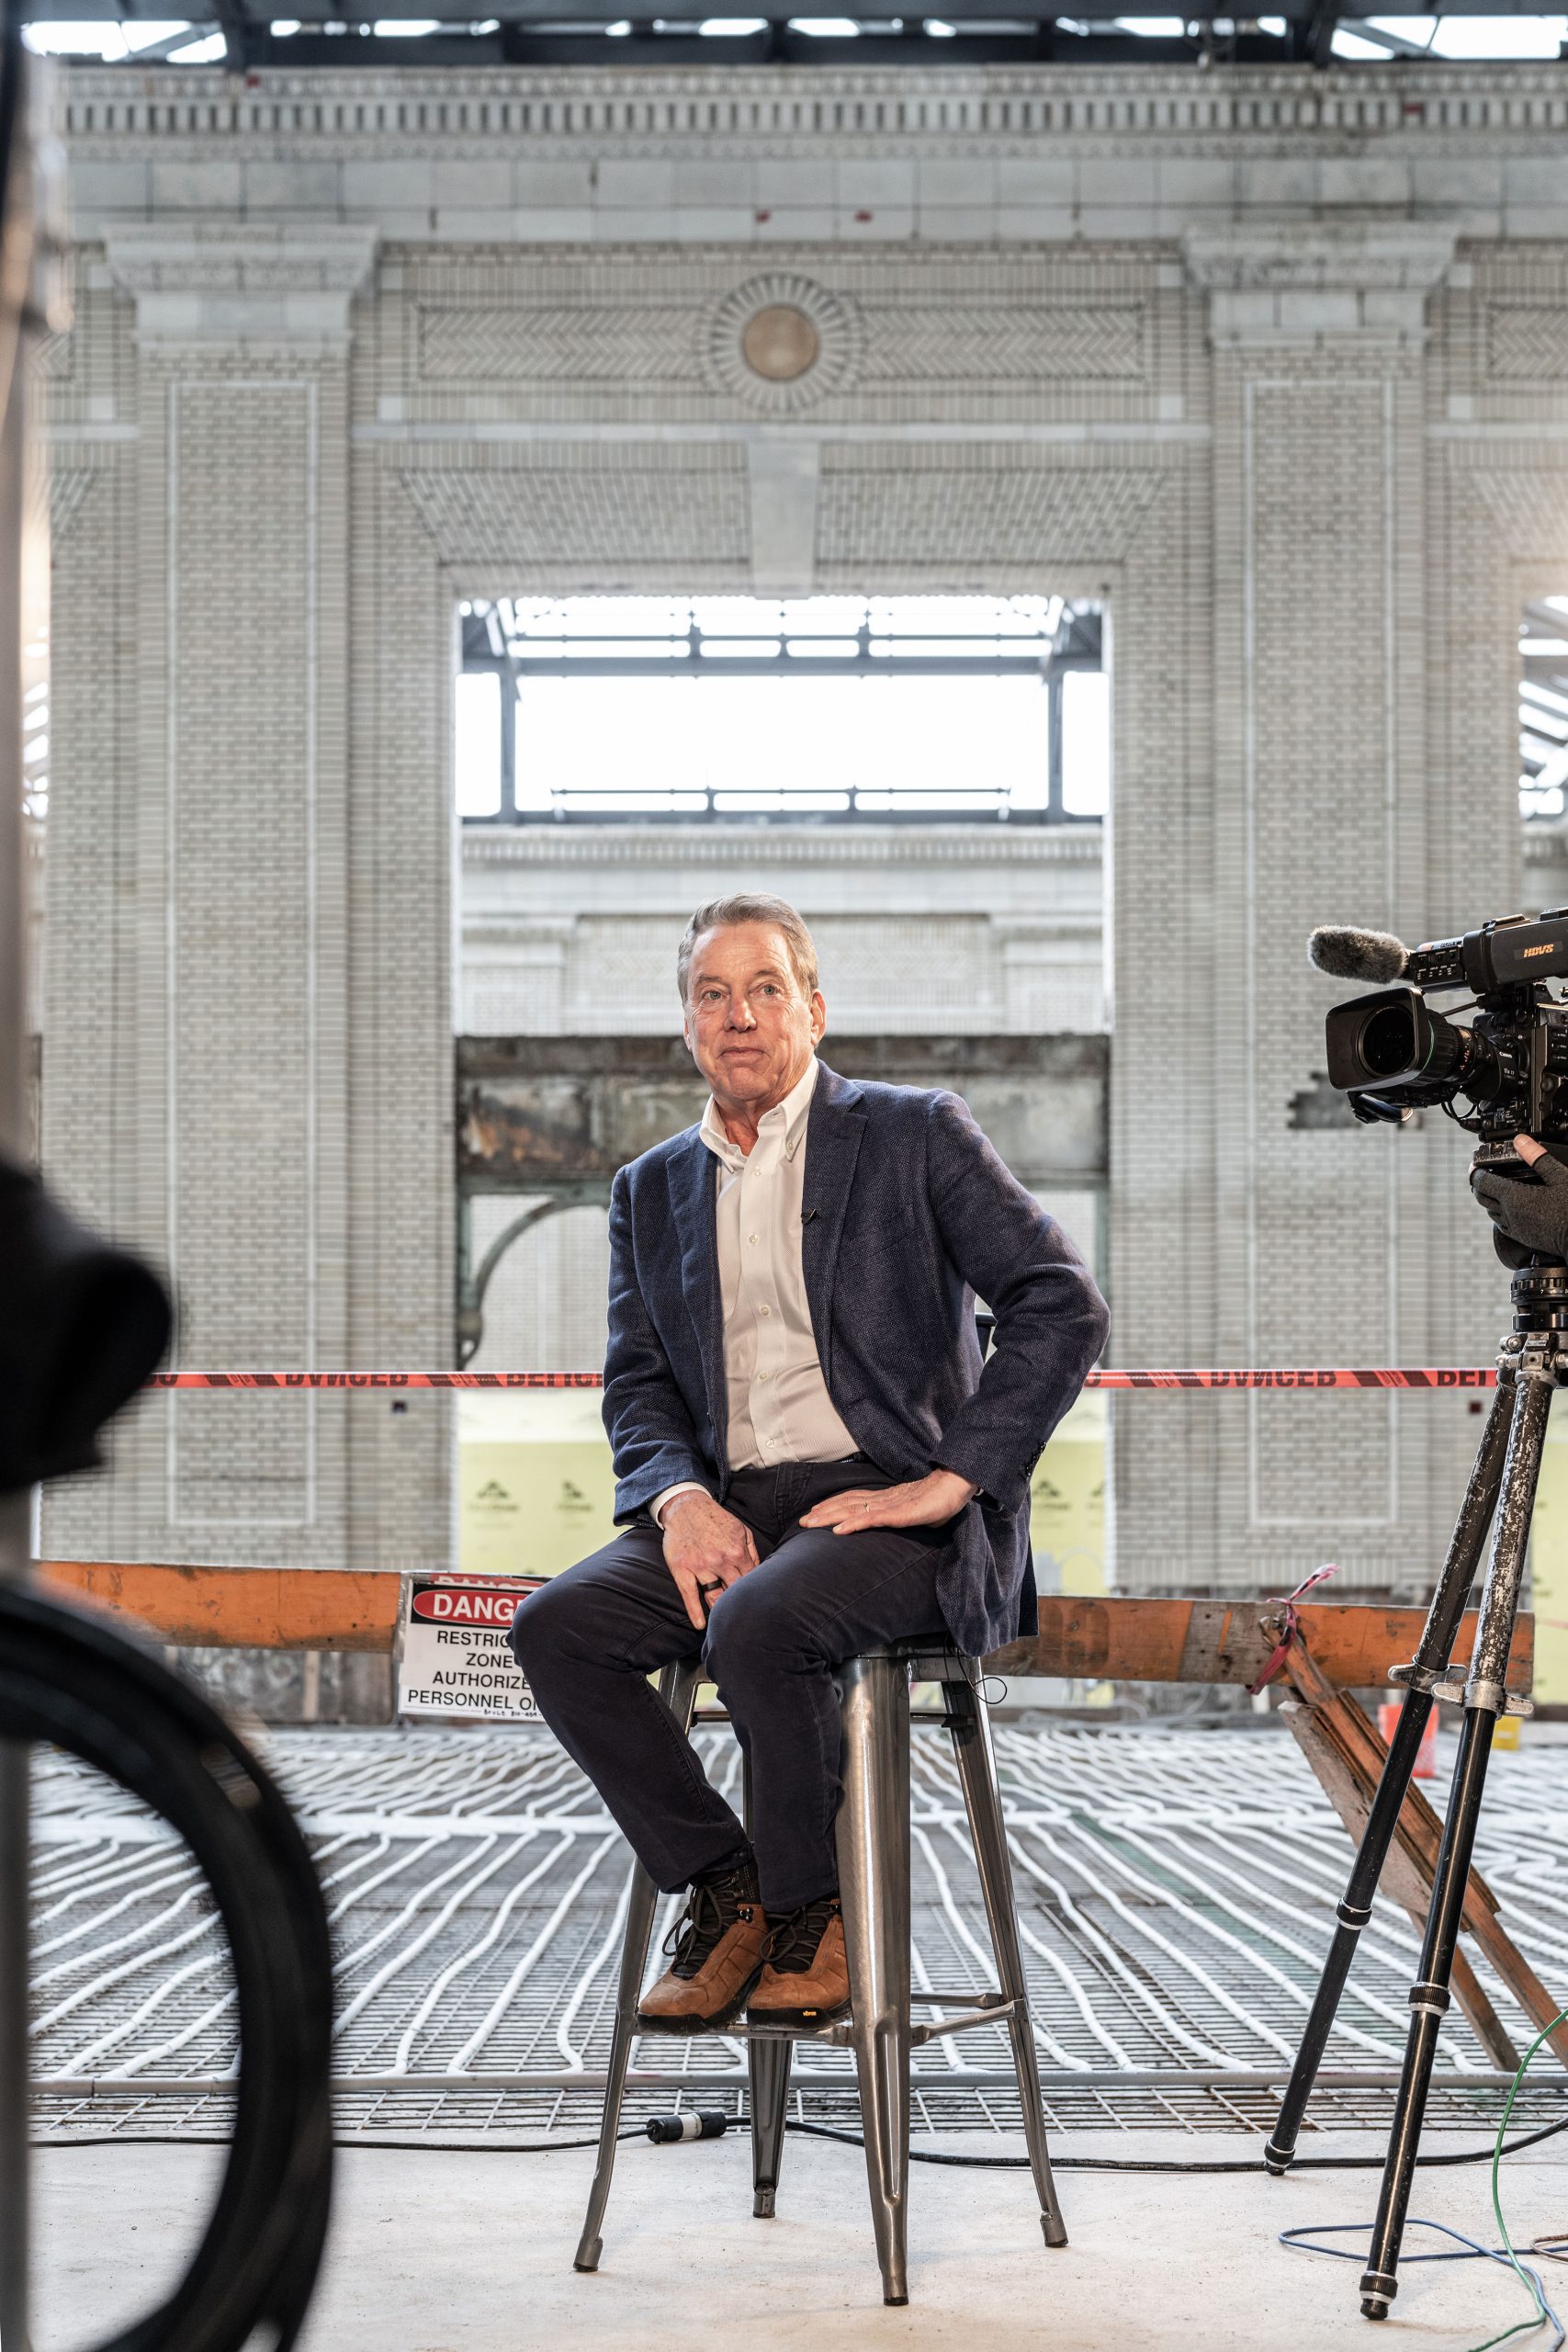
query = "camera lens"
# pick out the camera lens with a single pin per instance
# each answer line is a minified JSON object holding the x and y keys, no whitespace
{"x":1387,"y":1044}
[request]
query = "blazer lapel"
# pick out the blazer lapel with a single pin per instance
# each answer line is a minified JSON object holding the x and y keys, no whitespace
{"x":692,"y":1196}
{"x":835,"y":1128}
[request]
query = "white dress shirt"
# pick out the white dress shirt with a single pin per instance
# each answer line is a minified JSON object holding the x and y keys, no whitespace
{"x":779,"y":1407}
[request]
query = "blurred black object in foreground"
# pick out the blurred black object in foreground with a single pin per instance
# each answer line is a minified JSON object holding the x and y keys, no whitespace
{"x":82,"y":1324}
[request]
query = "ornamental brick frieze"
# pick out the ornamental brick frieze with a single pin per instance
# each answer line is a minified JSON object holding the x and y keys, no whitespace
{"x":780,"y":342}
{"x":556,"y":344}
{"x":589,"y":332}
{"x":1521,"y":487}
{"x":1525,"y":342}
{"x":954,"y":511}
{"x":591,"y":515}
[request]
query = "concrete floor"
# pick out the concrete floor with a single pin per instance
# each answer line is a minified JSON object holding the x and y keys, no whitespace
{"x":472,"y":2252}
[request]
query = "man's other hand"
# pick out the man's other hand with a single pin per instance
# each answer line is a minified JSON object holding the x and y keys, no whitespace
{"x":920,"y":1502}
{"x":705,"y":1545}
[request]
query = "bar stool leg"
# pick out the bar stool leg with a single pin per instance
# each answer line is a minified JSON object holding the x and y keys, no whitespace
{"x":976,"y":1757}
{"x":678,"y":1688}
{"x":767,"y":2064}
{"x":873,"y":1883}
{"x":768,"y":2061}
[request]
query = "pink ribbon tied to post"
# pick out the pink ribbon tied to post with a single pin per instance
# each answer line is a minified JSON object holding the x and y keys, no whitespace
{"x":1288,"y":1626}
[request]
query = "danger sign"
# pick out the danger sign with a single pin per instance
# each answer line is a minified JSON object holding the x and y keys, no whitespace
{"x":453,"y":1657}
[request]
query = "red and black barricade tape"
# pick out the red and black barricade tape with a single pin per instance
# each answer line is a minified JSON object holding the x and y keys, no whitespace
{"x":1220,"y":1378}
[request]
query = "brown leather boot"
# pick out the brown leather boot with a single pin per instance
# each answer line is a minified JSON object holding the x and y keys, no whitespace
{"x":720,"y":1943}
{"x":806,"y":1980}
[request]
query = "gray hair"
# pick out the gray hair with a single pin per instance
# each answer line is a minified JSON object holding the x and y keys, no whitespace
{"x":749,"y":906}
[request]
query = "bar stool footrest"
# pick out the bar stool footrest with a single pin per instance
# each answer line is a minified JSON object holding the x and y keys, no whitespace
{"x":964,"y":2023}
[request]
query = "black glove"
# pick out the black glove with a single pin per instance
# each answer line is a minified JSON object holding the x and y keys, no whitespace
{"x":1529,"y":1212}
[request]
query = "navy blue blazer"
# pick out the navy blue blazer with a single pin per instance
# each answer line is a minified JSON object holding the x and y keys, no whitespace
{"x":907,"y":1215}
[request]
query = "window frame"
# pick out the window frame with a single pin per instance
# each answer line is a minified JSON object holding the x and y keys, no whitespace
{"x":1076,"y":644}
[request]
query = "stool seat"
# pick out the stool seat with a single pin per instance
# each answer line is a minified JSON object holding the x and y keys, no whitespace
{"x":873,"y":1836}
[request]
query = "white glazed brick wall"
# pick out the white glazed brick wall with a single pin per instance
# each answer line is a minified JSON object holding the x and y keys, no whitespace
{"x":955,"y":928}
{"x":1272,"y":362}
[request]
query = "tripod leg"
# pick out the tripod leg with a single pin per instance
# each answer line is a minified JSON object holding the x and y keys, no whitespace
{"x":1432,"y":1655}
{"x":1484,"y":1699}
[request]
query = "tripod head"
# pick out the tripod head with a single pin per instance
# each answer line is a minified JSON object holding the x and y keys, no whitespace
{"x":1539,"y":1292}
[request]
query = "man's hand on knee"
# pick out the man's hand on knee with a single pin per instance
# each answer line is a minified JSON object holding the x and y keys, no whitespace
{"x":919,"y":1502}
{"x":705,"y":1548}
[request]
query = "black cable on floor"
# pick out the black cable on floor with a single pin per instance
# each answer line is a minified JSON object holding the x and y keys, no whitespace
{"x":428,"y":2147}
{"x":849,"y":2140}
{"x":1173,"y":2163}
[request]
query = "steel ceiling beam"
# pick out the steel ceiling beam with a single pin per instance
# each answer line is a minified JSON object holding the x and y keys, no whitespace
{"x":979,"y":15}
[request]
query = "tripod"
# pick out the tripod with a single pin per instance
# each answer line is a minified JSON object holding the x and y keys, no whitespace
{"x":1531,"y":1362}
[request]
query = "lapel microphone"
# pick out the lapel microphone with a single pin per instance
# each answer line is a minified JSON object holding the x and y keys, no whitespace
{"x":807,"y":1216}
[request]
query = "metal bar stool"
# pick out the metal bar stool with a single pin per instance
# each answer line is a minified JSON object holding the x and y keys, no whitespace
{"x":873,"y":1883}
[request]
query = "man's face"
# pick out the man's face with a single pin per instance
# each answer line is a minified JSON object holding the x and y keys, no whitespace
{"x":751,"y":1028}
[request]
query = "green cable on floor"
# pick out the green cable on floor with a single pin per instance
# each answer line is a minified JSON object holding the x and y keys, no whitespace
{"x":1525,"y":2278}
{"x":1309,"y":2237}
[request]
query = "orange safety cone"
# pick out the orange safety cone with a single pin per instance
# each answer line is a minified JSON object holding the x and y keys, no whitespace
{"x":1426,"y":1754}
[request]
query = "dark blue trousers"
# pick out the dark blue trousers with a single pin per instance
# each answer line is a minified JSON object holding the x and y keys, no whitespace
{"x":589,"y":1640}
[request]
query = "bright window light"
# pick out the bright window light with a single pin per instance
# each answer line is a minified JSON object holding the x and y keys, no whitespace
{"x":284,"y":27}
{"x":826,"y":27}
{"x":1353,"y":46}
{"x":1499,"y":36}
{"x":404,"y":28}
{"x":629,"y":737}
{"x":111,"y":43}
{"x":1275,"y":27}
{"x":1154,"y":28}
{"x":476,"y":755}
{"x":937,"y":30}
{"x":731,"y":28}
{"x":200,"y":53}
{"x":1086,"y":743}
{"x":1416,"y":30}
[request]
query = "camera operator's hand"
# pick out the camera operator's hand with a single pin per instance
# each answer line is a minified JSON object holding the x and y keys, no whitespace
{"x":705,"y":1548}
{"x":1533,"y":1214}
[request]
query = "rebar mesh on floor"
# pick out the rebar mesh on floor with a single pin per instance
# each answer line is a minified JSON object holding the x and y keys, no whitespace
{"x":1175,"y":1891}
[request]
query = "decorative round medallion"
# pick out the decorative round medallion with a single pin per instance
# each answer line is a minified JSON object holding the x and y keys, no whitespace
{"x":781,"y":342}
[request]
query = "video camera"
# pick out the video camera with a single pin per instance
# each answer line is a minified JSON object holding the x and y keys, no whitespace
{"x":1391,"y":1054}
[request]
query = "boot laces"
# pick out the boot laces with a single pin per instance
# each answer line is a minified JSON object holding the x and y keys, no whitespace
{"x":711,"y":1911}
{"x":798,"y":1935}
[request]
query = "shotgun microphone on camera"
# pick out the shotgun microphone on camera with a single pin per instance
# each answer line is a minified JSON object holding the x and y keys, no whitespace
{"x":1346,"y":954}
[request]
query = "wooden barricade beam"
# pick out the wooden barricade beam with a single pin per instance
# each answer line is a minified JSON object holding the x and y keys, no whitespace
{"x":1124,"y":1639}
{"x":270,"y":1608}
{"x":1115,"y":1638}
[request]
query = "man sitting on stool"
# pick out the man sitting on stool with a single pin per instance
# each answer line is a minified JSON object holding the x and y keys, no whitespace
{"x":811,"y":1459}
